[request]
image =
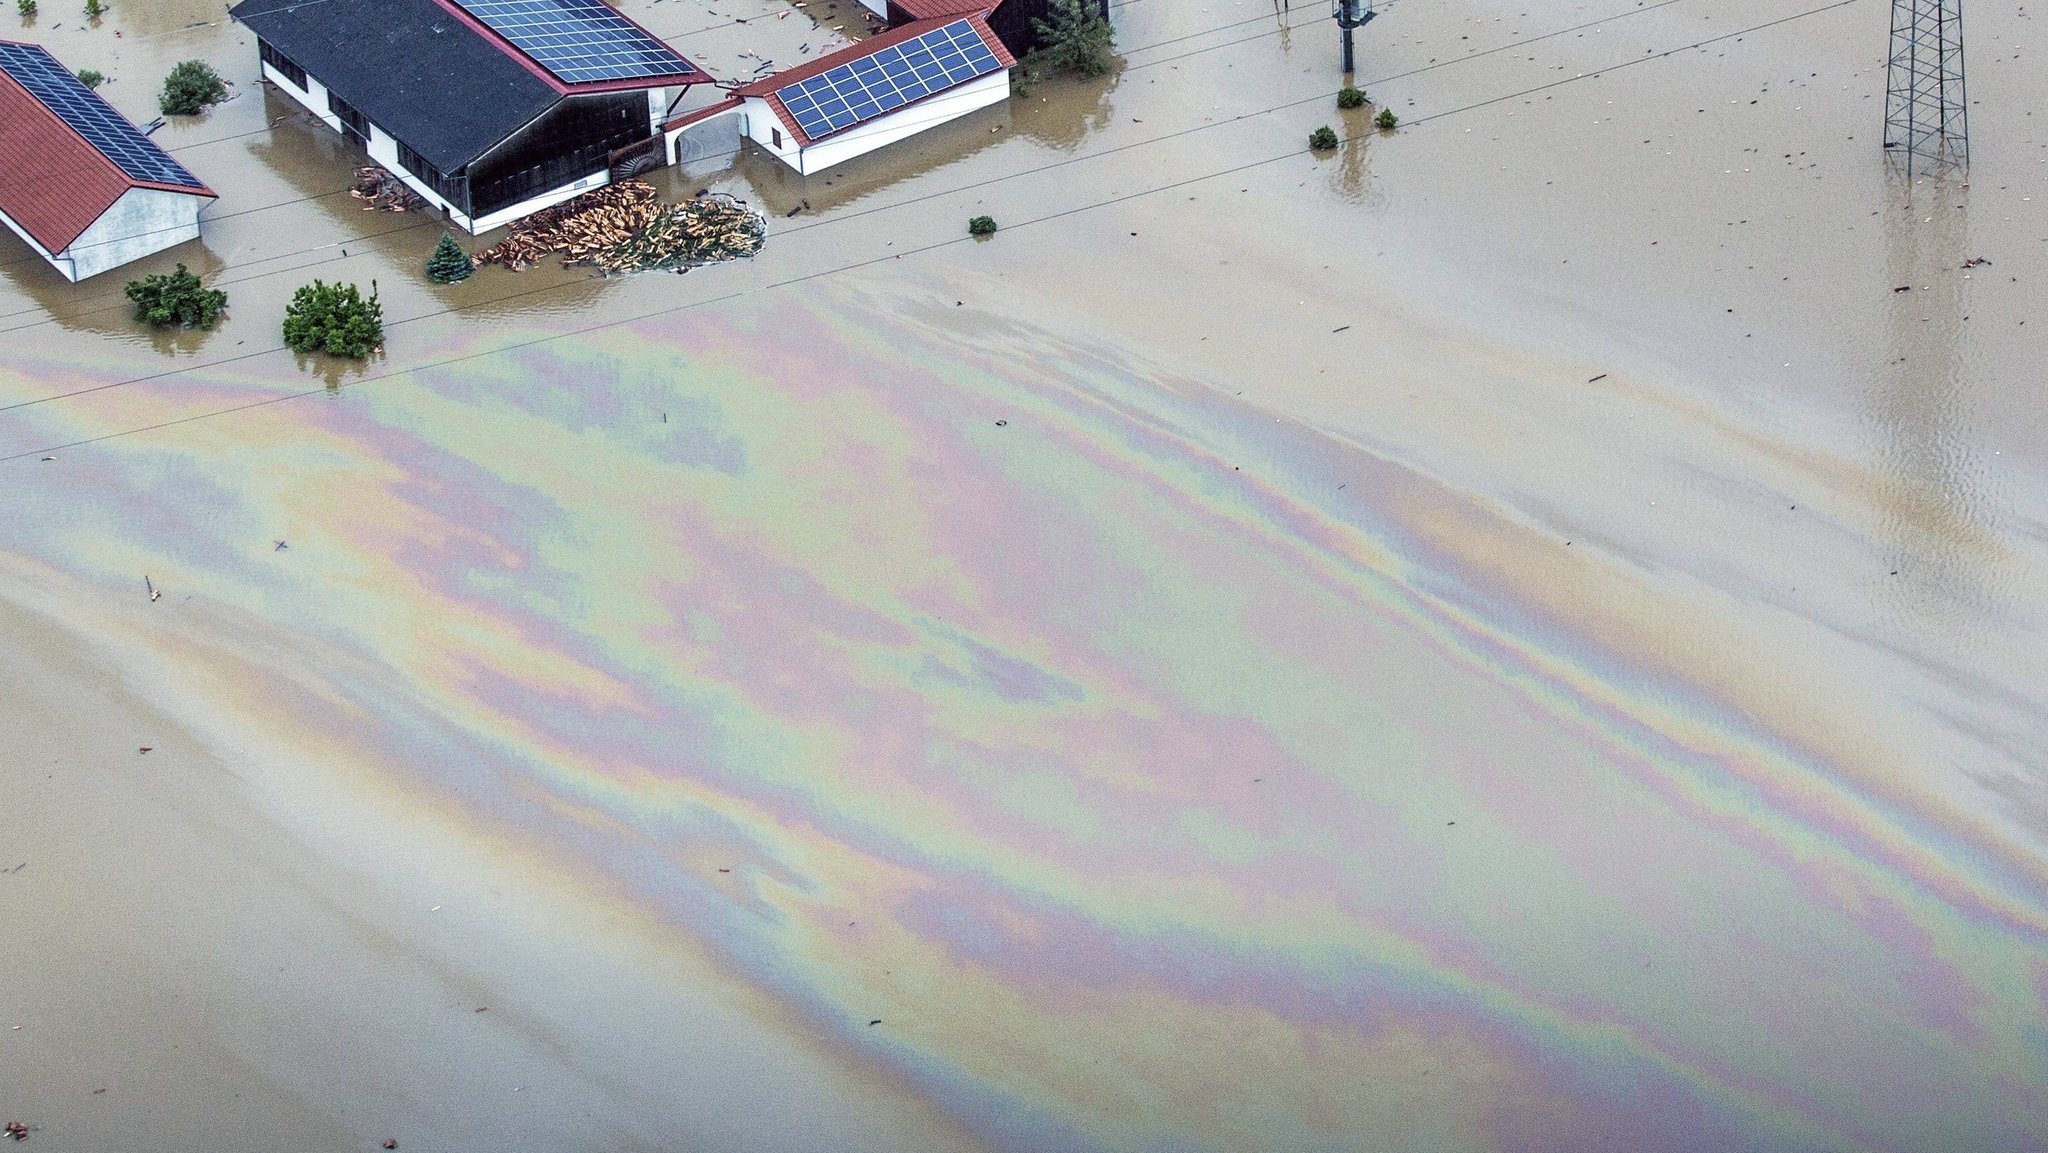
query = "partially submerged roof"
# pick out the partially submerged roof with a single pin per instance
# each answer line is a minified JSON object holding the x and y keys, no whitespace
{"x":452,"y":80}
{"x":67,"y":154}
{"x":881,"y":74}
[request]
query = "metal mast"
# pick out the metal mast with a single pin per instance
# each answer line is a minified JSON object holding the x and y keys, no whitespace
{"x":1351,"y":14}
{"x":1926,"y":115}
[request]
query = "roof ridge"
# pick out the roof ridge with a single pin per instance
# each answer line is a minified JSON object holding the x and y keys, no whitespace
{"x":768,"y":85}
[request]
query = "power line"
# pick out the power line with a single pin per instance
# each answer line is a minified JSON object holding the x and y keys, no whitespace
{"x":794,"y":280}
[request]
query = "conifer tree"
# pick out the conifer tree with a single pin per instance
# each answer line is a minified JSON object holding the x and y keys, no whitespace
{"x":449,"y":264}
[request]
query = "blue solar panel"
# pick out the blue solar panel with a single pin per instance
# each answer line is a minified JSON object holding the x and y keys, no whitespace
{"x":91,"y":117}
{"x":580,"y":41}
{"x":888,"y":78}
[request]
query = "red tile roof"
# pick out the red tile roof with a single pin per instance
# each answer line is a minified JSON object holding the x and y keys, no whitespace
{"x":767,"y":87}
{"x":55,"y":184}
{"x":942,"y":9}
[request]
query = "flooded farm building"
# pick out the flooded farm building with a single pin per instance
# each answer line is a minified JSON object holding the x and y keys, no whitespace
{"x":490,"y":109}
{"x":85,"y":189}
{"x":872,"y":94}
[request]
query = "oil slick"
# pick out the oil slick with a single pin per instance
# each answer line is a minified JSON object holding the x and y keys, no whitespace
{"x":1113,"y":765}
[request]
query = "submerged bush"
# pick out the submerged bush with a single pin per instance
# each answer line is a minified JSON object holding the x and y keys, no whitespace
{"x":982,"y":226}
{"x":1322,"y":139}
{"x":190,"y":87}
{"x":1076,"y":39}
{"x":176,"y":298}
{"x":27,"y":8}
{"x":1350,"y":98}
{"x":1386,"y":118}
{"x":335,"y":319}
{"x":89,"y":77}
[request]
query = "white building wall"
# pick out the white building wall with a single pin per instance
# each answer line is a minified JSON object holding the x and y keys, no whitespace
{"x":383,"y":149}
{"x":143,"y":221}
{"x":761,"y":125}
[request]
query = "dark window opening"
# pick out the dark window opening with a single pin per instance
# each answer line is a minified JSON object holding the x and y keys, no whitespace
{"x":777,"y":134}
{"x":282,"y":63}
{"x":573,"y":140}
{"x":349,"y":116}
{"x":451,"y":188}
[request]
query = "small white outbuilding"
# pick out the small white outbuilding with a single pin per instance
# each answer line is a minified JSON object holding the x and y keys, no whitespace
{"x":85,"y":188}
{"x":869,"y":95}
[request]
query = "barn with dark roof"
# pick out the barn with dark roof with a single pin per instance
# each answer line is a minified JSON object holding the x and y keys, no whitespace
{"x":84,"y":187}
{"x":490,"y":109}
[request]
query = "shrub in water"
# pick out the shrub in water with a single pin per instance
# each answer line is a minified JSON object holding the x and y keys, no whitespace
{"x":90,"y":78}
{"x":176,"y":298}
{"x":27,"y":8}
{"x":1386,"y":118}
{"x":982,"y":226}
{"x":1350,"y":98}
{"x":1076,"y":39}
{"x":449,"y":264}
{"x":95,"y":9}
{"x":190,"y":87}
{"x":334,"y":319}
{"x":1322,"y":139}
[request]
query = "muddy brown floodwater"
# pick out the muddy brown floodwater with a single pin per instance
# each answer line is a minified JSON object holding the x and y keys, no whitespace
{"x":1526,"y":632}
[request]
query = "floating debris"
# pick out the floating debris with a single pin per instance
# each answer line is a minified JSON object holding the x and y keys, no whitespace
{"x":624,"y":227}
{"x":380,"y":191}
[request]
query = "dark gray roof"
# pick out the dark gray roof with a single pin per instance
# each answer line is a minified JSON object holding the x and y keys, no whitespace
{"x":415,"y":69}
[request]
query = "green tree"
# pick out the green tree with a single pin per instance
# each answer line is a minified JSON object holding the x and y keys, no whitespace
{"x":1350,"y":98}
{"x":1386,"y":118}
{"x":982,"y":226}
{"x":190,"y":87}
{"x":1076,"y":39}
{"x":87,"y":76}
{"x":27,"y":8}
{"x":176,"y":298}
{"x":335,"y":319}
{"x":449,"y":264}
{"x":95,"y":9}
{"x":1322,"y":139}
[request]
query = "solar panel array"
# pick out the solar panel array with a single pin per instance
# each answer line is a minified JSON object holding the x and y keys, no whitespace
{"x":91,"y":116}
{"x":888,"y":78}
{"x":580,"y":41}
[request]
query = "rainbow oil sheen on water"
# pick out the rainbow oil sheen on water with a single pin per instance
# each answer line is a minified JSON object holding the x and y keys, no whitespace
{"x":1158,"y":774}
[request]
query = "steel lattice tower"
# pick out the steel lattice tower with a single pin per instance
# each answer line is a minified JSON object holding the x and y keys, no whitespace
{"x":1926,"y":116}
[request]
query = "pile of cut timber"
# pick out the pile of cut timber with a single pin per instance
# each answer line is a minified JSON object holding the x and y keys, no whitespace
{"x":381,"y":191}
{"x":624,"y":227}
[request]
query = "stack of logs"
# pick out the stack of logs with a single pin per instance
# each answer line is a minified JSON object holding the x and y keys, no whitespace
{"x":624,"y":227}
{"x":382,"y":192}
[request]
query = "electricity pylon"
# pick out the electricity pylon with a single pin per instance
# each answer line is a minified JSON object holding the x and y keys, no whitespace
{"x":1926,"y":114}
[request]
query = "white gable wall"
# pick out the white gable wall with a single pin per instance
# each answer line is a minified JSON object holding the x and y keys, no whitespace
{"x":143,"y":221}
{"x":762,"y":124}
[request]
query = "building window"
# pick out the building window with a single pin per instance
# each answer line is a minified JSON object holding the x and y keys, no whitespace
{"x":449,"y":187}
{"x":777,"y":134}
{"x":282,"y":64}
{"x":348,"y":114}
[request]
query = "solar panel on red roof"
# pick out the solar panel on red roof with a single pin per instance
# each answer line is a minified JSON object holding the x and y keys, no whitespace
{"x":89,"y":115}
{"x":889,"y":78}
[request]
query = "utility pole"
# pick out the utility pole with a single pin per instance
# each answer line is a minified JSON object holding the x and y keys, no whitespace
{"x":1351,"y":14}
{"x":1926,"y":114}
